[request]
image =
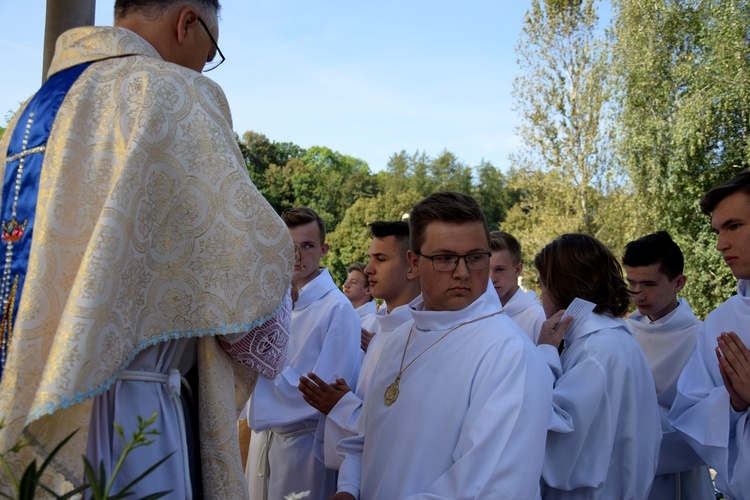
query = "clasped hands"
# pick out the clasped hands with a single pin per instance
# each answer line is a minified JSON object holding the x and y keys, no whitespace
{"x":321,"y":395}
{"x":734,"y":366}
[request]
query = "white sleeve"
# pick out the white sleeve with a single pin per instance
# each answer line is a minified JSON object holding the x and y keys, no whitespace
{"x":703,"y":414}
{"x":279,"y":401}
{"x":340,"y":423}
{"x":581,"y":436}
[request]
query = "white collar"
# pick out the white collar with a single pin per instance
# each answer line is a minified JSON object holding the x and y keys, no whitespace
{"x":487,"y":303}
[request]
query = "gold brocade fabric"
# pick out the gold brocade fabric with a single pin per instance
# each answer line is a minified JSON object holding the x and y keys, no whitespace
{"x":148,"y":228}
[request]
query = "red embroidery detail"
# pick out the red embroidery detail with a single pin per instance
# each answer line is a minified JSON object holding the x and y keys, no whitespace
{"x":13,"y":231}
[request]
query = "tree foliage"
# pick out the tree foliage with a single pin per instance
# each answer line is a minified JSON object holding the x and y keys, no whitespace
{"x":350,"y":241}
{"x":561,"y":96}
{"x":348,"y":196}
{"x":684,"y":114}
{"x":424,"y":175}
{"x":622,"y":130}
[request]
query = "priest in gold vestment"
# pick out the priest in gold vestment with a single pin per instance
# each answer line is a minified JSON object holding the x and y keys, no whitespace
{"x":143,"y":270}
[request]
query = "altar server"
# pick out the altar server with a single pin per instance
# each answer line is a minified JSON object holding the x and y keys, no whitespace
{"x":458,"y":405}
{"x":604,"y":434}
{"x":713,"y":393}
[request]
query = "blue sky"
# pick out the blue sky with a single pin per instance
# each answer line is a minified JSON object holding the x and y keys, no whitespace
{"x":367,"y":79}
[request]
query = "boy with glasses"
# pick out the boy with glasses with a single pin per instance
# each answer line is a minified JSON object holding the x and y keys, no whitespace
{"x":457,"y":406}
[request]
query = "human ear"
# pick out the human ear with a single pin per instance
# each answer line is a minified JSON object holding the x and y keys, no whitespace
{"x":187,"y":18}
{"x":413,"y":260}
{"x":679,"y":283}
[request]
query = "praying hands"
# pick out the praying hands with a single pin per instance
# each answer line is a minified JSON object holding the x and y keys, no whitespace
{"x":734,"y":365}
{"x":321,"y":395}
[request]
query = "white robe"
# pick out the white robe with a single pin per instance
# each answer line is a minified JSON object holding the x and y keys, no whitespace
{"x":343,"y":419}
{"x":668,"y":343}
{"x":325,"y":339}
{"x":471,"y":417}
{"x":524,"y":308}
{"x":702,"y":412}
{"x":366,"y":313}
{"x":605,"y":431}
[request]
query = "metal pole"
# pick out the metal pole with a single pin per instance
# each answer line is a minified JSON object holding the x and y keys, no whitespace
{"x":63,"y":15}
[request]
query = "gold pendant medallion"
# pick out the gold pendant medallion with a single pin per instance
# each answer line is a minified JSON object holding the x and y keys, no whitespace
{"x":391,"y":393}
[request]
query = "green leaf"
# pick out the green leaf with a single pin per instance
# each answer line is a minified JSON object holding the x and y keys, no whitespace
{"x":54,"y":452}
{"x":144,"y":474}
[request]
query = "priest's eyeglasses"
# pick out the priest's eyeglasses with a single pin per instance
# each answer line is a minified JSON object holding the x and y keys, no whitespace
{"x":448,"y":263}
{"x":214,"y":62}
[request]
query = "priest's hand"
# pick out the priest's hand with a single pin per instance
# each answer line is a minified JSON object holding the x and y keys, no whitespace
{"x":734,"y":366}
{"x":321,"y":395}
{"x":342,"y":495}
{"x":553,"y":329}
{"x":366,"y":338}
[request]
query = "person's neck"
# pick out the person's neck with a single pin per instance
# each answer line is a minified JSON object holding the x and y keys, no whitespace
{"x":506,"y":298}
{"x":302,"y":284}
{"x":410,"y":293}
{"x":671,"y":307}
{"x":360,"y":303}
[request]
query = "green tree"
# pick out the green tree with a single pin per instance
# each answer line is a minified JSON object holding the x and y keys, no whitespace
{"x":325,"y":180}
{"x":260,"y":153}
{"x":683,"y":70}
{"x":564,"y":163}
{"x":343,"y":180}
{"x":425,"y":175}
{"x":450,"y":174}
{"x":350,"y":240}
{"x":493,"y":194}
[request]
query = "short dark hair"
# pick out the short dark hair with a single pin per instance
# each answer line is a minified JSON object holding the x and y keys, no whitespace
{"x":579,"y":265}
{"x":656,"y":248}
{"x":443,"y":206}
{"x":399,"y":229}
{"x":384,"y":228}
{"x":299,"y":216}
{"x":155,"y":8}
{"x":738,"y":183}
{"x":500,"y":240}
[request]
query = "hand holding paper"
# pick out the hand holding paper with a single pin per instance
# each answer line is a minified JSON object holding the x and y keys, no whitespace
{"x":553,"y":330}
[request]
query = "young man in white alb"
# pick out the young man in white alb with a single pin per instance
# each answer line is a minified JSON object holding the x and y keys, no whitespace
{"x":392,"y":281}
{"x":523,"y":307}
{"x":713,"y":393}
{"x":458,"y":404}
{"x":325,"y":339}
{"x":604,"y":429}
{"x":666,"y":329}
{"x":357,"y":289}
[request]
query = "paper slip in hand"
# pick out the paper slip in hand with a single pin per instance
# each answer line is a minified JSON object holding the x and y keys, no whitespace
{"x":578,"y":309}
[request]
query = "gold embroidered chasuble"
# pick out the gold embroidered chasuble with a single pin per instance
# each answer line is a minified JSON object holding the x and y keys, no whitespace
{"x":147,"y":229}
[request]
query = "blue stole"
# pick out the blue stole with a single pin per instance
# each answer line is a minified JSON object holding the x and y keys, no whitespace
{"x":20,"y":189}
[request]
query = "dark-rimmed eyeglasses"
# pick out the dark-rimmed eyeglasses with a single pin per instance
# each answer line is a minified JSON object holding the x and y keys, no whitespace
{"x":448,"y":263}
{"x":213,"y":63}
